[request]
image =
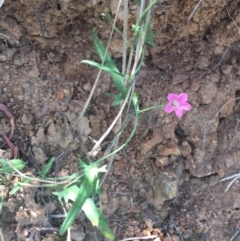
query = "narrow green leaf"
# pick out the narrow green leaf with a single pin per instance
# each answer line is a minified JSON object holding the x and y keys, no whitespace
{"x":86,"y":189}
{"x":47,"y":168}
{"x":67,"y":193}
{"x":97,"y":218}
{"x":17,"y":163}
{"x":102,"y":67}
{"x":117,"y":99}
{"x":118,"y":80}
{"x":19,"y":186}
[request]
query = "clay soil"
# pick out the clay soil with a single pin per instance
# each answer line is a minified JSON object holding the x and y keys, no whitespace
{"x":165,"y":182}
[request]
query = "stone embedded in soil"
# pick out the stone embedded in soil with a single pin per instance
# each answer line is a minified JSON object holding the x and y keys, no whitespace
{"x":95,"y":122}
{"x":202,"y":62}
{"x":165,"y":187}
{"x":77,"y":234}
{"x":7,"y":56}
{"x":179,"y":76}
{"x":113,"y":206}
{"x":201,"y":163}
{"x":171,"y":148}
{"x":148,"y":145}
{"x":185,"y":149}
{"x":195,"y":84}
{"x":208,"y":91}
{"x":161,"y":161}
{"x":215,"y":77}
{"x":226,"y":69}
{"x":27,"y":118}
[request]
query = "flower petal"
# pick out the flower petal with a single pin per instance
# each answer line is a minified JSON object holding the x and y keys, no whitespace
{"x":186,"y":106}
{"x":178,"y":112}
{"x":171,"y":97}
{"x":183,"y":97}
{"x":168,"y":108}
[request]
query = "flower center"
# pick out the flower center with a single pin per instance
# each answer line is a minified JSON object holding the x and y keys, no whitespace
{"x":174,"y":103}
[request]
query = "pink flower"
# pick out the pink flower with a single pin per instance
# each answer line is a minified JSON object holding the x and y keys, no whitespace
{"x":178,"y":104}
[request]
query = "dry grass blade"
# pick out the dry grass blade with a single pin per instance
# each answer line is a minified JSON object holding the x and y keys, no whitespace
{"x":140,"y":238}
{"x":235,"y":235}
{"x":234,"y":177}
{"x":194,"y":10}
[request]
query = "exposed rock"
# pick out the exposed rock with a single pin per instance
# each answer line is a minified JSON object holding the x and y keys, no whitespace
{"x":208,"y":92}
{"x":77,"y":235}
{"x":95,"y":122}
{"x":195,"y":84}
{"x":202,"y":164}
{"x":215,"y":77}
{"x":171,"y":148}
{"x":185,"y":149}
{"x":148,"y":145}
{"x":112,"y":206}
{"x":7,"y":55}
{"x":161,"y":161}
{"x":202,"y":62}
{"x":165,"y":188}
{"x":27,"y":118}
{"x":179,"y":76}
{"x":226,"y":69}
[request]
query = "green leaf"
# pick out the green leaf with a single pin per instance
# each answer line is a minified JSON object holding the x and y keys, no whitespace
{"x":47,"y":168}
{"x":84,"y":192}
{"x":17,"y":163}
{"x":117,"y":99}
{"x":19,"y":186}
{"x":117,"y":78}
{"x":67,"y":193}
{"x":97,"y":218}
{"x":102,"y":67}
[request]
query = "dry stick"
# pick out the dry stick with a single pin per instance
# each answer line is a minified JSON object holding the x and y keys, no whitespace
{"x":176,"y":228}
{"x":125,"y":34}
{"x":194,"y":10}
{"x":125,"y":31}
{"x":235,"y":235}
{"x":98,"y":143}
{"x":100,"y":71}
{"x":38,"y":18}
{"x":5,"y":35}
{"x":143,"y":237}
{"x":234,"y":22}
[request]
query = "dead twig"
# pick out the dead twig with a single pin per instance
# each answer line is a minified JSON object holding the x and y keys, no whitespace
{"x":143,"y":237}
{"x":235,"y":235}
{"x":194,"y":10}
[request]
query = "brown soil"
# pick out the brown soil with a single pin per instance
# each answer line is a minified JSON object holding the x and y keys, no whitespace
{"x":165,"y":180}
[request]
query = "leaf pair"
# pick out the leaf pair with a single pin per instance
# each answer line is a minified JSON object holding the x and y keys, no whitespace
{"x":82,"y":201}
{"x":110,"y":67}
